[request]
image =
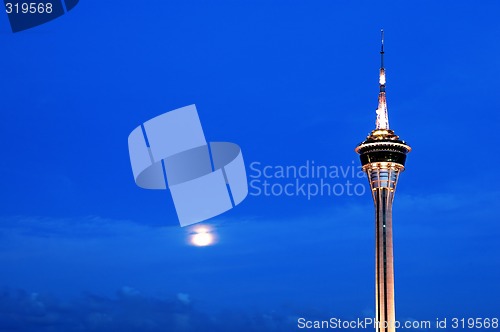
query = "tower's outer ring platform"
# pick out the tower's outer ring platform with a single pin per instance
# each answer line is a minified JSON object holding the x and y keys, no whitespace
{"x":383,"y":147}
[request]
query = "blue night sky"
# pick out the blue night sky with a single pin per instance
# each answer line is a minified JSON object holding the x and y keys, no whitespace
{"x":82,"y":248}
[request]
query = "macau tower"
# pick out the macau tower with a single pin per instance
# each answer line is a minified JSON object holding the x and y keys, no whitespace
{"x":383,"y":157}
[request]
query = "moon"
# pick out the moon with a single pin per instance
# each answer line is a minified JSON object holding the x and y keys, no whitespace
{"x":202,"y":236}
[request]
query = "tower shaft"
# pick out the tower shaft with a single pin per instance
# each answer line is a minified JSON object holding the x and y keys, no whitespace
{"x":384,"y":262}
{"x":383,"y":179}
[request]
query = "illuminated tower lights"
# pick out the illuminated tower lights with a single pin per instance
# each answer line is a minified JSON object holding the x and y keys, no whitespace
{"x":383,"y":157}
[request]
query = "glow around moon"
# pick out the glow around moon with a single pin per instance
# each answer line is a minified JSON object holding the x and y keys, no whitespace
{"x":202,"y":236}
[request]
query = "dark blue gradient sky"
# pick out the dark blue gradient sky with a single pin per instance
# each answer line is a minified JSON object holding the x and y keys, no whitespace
{"x":81,"y":247}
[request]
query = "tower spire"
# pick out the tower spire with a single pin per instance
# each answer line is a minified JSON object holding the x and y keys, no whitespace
{"x":382,"y":49}
{"x":382,"y":116}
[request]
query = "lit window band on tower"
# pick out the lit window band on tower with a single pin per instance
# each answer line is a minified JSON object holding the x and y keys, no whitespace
{"x":383,"y":157}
